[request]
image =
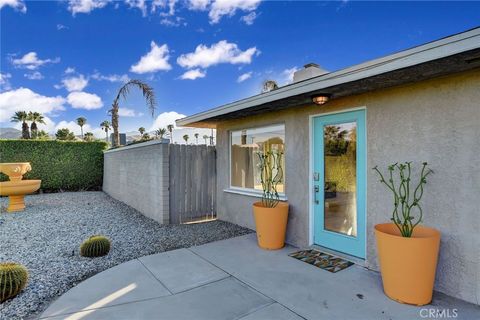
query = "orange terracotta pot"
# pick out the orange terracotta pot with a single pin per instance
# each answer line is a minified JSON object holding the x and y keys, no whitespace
{"x":271,"y":224}
{"x":408,"y":265}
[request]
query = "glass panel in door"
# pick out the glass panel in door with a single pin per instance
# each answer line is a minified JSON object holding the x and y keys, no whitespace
{"x":340,"y":159}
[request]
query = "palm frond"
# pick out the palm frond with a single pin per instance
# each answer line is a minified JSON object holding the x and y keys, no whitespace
{"x":147,"y":93}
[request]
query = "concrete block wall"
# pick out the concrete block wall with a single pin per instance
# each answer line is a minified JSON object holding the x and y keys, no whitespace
{"x":138,"y":175}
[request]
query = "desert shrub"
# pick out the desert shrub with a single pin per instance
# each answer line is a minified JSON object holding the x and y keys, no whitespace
{"x":61,"y":165}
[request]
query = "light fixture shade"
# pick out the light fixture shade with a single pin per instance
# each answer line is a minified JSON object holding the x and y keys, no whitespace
{"x":319,"y":100}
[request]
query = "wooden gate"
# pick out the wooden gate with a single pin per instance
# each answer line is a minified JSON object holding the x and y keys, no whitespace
{"x":192,"y":183}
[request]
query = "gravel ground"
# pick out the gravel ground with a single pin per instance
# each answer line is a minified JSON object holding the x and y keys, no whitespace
{"x":46,"y":238}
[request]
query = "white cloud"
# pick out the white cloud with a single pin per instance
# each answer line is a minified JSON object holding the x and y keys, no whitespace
{"x":220,"y":52}
{"x":153,"y":61}
{"x":34,"y":75}
{"x":61,"y":27}
{"x":166,"y":118}
{"x":173,"y":21}
{"x":112,"y":77}
{"x":30,"y":61}
{"x":164,"y":4}
{"x":200,"y":5}
{"x":75,"y":83}
{"x":244,"y":77}
{"x":139,"y":4}
{"x":85,"y":6}
{"x":18,"y":5}
{"x":288,"y":74}
{"x":220,"y":8}
{"x":69,"y":70}
{"x":126,"y":112}
{"x":4,"y":81}
{"x":193,"y":74}
{"x":84,"y":100}
{"x":24,"y":99}
{"x":249,"y":18}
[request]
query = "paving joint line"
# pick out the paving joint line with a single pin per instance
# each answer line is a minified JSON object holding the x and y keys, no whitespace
{"x":246,"y":283}
{"x":171,"y":293}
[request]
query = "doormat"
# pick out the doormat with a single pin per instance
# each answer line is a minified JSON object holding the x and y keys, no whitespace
{"x":321,"y":260}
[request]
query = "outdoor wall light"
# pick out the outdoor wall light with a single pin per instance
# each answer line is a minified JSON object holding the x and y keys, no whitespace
{"x":321,"y":99}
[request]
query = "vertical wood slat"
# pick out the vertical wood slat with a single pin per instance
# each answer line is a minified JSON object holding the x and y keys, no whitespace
{"x":204,"y":181}
{"x":198,"y":180}
{"x":213,"y":179}
{"x":182,"y":191}
{"x":192,"y":184}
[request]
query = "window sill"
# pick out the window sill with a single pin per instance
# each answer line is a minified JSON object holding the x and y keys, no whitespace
{"x":251,"y":193}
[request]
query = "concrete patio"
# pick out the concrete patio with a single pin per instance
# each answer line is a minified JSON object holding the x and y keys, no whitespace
{"x":234,"y":279}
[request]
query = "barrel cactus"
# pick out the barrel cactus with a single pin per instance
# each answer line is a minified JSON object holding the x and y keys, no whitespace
{"x":13,"y":278}
{"x":95,"y":246}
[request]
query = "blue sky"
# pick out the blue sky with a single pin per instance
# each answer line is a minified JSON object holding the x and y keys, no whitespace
{"x":67,"y":59}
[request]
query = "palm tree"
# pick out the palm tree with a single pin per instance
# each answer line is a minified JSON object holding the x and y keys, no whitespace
{"x":269,"y":85}
{"x":148,"y":94}
{"x":196,"y":138}
{"x":21,"y":116}
{"x":170,"y":129}
{"x":35,"y":117}
{"x":205,"y":137}
{"x":105,"y":125}
{"x":160,"y":133}
{"x":141,"y":130}
{"x":88,"y":136}
{"x":81,"y":121}
{"x":185,"y":137}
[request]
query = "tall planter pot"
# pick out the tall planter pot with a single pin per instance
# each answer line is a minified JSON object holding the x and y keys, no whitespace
{"x":408,"y":265}
{"x":271,"y":224}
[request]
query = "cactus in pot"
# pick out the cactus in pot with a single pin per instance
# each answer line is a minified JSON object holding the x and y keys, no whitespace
{"x":407,"y":250}
{"x":271,"y":175}
{"x":271,"y":214}
{"x":406,"y":198}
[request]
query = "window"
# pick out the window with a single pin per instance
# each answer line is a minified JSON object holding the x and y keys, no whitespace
{"x":244,"y":160}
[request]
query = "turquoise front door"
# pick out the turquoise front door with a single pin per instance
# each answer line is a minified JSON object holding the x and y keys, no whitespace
{"x":339,"y":160}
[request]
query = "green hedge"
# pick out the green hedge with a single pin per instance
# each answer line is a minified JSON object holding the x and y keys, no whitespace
{"x":61,"y":165}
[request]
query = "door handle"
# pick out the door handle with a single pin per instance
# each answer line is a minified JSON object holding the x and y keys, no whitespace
{"x":316,"y":189}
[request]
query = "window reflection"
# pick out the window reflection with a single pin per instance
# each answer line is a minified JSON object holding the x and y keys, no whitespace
{"x":245,"y":164}
{"x":340,"y":144}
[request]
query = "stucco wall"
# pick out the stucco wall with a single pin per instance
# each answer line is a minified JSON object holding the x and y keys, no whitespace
{"x":437,"y":121}
{"x":138,"y":175}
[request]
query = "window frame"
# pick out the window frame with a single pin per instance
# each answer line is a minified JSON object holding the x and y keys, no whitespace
{"x":251,"y":191}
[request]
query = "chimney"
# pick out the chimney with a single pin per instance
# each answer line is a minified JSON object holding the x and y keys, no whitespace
{"x":309,"y":70}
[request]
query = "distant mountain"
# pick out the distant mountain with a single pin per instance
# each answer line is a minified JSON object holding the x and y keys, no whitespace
{"x":10,"y":133}
{"x":133,"y":135}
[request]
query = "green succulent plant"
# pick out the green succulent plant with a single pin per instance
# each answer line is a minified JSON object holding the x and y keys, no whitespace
{"x":95,"y":246}
{"x":13,"y":278}
{"x":406,"y":197}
